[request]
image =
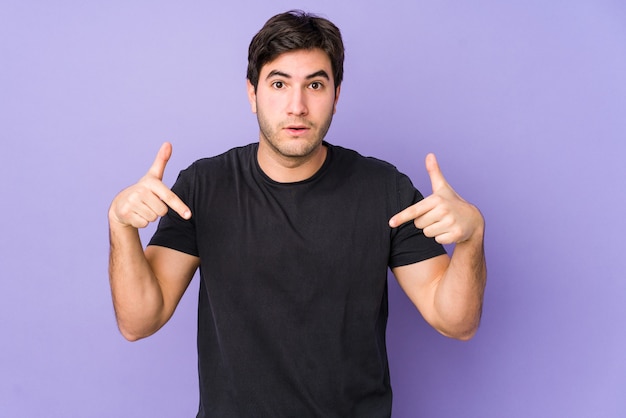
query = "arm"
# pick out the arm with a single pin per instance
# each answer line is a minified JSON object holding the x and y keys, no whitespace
{"x":447,"y":291}
{"x":145,"y":286}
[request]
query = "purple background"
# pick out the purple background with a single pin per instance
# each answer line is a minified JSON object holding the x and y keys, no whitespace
{"x":524,"y":104}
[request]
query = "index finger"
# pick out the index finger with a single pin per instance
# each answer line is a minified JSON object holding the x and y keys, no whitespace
{"x":172,"y":200}
{"x":161,"y":190}
{"x":410,"y":213}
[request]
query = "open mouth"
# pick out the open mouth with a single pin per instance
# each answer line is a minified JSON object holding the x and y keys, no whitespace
{"x":296,"y":129}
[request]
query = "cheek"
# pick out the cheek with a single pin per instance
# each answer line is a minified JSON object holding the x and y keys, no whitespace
{"x":267,"y":104}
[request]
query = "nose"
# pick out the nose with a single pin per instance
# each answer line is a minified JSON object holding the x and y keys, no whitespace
{"x":297,"y":103}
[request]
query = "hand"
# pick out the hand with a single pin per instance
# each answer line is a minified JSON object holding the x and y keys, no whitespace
{"x":149,"y":198}
{"x":443,"y":215}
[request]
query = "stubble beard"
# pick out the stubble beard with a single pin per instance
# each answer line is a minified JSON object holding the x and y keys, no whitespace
{"x":292,"y":148}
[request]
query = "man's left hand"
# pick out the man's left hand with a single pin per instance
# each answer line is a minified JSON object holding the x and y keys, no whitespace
{"x":444,"y":214}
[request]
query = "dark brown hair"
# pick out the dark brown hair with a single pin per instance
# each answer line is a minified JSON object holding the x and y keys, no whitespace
{"x":292,"y":31}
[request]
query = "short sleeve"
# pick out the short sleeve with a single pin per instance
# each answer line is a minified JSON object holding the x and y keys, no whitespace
{"x":173,"y":231}
{"x":408,"y":243}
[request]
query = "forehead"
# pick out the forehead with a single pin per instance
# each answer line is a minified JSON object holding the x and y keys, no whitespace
{"x":298,"y":63}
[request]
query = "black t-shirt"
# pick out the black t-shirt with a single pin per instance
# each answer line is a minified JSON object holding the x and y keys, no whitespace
{"x":293,"y":295}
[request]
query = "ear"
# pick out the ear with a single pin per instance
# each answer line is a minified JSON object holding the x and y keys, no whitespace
{"x":337,"y":91}
{"x":251,"y":96}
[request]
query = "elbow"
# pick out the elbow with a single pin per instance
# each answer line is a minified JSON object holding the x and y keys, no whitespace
{"x":132,"y":335}
{"x":465,"y":336}
{"x":459,"y":335}
{"x":461,"y":332}
{"x":136,"y":327}
{"x":461,"y":326}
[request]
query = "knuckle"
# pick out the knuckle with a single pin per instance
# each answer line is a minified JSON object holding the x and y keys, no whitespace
{"x":141,"y":223}
{"x":124,"y":213}
{"x":161,"y":210}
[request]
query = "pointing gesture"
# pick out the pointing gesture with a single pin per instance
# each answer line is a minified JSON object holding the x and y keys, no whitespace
{"x":149,"y":198}
{"x":443,"y":215}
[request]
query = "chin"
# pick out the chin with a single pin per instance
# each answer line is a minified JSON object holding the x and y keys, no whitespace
{"x":296,"y":147}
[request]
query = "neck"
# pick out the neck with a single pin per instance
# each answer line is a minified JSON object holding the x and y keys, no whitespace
{"x":286,"y":169}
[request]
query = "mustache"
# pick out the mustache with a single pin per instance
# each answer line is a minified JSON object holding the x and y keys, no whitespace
{"x":297,"y":122}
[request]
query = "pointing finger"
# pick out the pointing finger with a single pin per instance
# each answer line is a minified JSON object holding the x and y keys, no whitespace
{"x":170,"y":199}
{"x":161,"y":190}
{"x":410,"y":213}
{"x":174,"y":202}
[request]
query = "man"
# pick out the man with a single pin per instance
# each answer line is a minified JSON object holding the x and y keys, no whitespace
{"x":293,"y":237}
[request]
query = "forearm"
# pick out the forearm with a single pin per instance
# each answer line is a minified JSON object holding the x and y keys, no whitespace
{"x":459,"y":295}
{"x":137,"y":296}
{"x":447,"y":291}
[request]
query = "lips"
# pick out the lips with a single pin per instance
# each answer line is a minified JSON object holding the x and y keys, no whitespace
{"x":296,"y":129}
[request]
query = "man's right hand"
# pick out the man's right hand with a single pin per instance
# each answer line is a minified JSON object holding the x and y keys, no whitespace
{"x":149,"y":198}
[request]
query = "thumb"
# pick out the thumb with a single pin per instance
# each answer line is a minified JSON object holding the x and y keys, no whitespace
{"x":158,"y":166}
{"x":437,"y":180}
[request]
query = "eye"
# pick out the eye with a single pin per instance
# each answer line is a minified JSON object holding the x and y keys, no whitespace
{"x":316,"y":85}
{"x":278,"y":85}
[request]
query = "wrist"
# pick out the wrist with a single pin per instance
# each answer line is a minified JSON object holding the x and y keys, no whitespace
{"x":478,"y":233}
{"x":115,"y":222}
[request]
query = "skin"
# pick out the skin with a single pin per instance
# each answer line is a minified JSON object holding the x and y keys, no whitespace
{"x":447,"y":291}
{"x":294,"y":101}
{"x":146,"y":286}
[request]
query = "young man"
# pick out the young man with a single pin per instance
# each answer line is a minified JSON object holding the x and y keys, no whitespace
{"x":293,"y":237}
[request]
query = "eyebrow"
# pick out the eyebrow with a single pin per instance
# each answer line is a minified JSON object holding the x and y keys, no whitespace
{"x":277,"y":73}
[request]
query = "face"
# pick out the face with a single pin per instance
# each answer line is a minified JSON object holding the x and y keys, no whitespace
{"x":294,"y":102}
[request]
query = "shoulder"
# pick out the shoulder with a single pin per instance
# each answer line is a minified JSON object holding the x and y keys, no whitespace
{"x":220,"y":166}
{"x":367,"y":170}
{"x":216,"y":170}
{"x":355,"y":160}
{"x":375,"y":175}
{"x":233,"y":157}
{"x":371,"y":174}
